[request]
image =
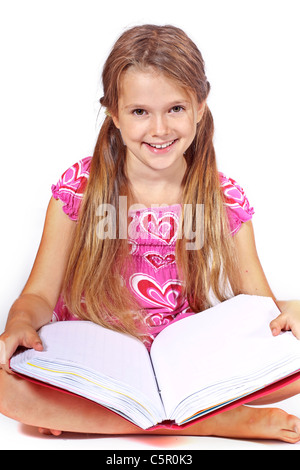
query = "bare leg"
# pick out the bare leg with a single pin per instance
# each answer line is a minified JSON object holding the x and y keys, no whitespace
{"x":288,"y":391}
{"x":49,"y":409}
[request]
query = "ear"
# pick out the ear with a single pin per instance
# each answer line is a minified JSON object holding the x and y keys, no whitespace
{"x":200,"y":112}
{"x":115,"y":121}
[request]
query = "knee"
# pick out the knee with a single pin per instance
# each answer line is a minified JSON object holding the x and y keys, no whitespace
{"x":7,"y":403}
{"x":3,"y":392}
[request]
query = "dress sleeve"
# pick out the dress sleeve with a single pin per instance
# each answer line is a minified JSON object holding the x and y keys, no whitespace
{"x":71,"y":185}
{"x":236,"y":202}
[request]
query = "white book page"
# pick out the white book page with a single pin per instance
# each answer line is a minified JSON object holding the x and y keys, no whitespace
{"x":215,"y":345}
{"x":115,"y":355}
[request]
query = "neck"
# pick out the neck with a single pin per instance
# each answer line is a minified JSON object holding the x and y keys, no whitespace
{"x":149,"y":186}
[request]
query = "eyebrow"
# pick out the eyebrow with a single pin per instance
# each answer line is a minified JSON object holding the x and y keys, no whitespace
{"x":169,"y":105}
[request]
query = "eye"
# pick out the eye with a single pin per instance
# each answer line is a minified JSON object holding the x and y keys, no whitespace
{"x":139,"y":112}
{"x":177,"y":109}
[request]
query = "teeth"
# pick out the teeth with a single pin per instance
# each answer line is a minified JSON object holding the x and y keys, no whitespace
{"x":163,"y":146}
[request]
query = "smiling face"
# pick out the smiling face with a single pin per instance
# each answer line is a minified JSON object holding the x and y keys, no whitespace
{"x":157,"y":119}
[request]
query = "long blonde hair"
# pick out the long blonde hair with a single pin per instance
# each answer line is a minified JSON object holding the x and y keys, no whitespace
{"x":93,"y":288}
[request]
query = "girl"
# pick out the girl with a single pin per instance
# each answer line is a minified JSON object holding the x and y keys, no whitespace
{"x":154,"y":166}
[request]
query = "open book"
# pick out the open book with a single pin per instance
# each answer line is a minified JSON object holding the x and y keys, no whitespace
{"x":196,"y":366}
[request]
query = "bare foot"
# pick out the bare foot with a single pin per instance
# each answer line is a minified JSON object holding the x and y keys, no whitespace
{"x":255,"y":423}
{"x":243,"y":422}
{"x":50,"y":432}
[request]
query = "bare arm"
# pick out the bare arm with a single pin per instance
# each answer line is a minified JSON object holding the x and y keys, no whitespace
{"x":34,"y":307}
{"x":254,"y":282}
{"x":45,"y":280}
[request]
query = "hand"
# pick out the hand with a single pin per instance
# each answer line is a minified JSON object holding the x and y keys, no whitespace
{"x":17,"y":333}
{"x":289,"y":319}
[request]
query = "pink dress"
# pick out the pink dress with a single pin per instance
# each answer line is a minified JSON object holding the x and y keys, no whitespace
{"x":153,"y":276}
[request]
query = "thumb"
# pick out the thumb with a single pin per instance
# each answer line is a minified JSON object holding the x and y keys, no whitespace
{"x":33,"y":341}
{"x":278,"y":324}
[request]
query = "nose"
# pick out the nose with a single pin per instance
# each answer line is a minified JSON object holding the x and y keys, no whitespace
{"x":159,"y":125}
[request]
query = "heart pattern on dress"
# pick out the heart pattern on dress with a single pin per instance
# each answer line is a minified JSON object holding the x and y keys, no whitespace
{"x":164,"y":296}
{"x":158,"y":261}
{"x":164,"y":228}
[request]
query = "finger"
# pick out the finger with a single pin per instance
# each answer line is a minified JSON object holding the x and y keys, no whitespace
{"x":4,"y":357}
{"x":10,"y":345}
{"x":7,"y":349}
{"x":2,"y":352}
{"x":4,"y":363}
{"x":7,"y":369}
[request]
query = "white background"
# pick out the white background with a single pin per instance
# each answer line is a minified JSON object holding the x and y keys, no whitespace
{"x":52,"y":54}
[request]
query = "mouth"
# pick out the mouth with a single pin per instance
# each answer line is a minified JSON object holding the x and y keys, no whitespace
{"x":160,"y":147}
